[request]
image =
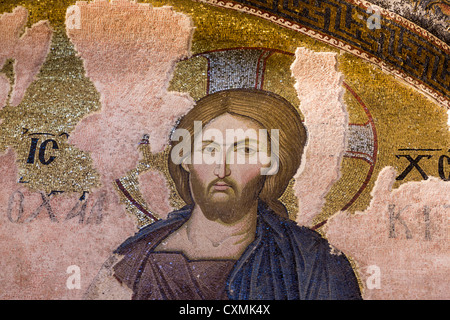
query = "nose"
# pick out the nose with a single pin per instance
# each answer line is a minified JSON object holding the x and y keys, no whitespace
{"x":222,"y":169}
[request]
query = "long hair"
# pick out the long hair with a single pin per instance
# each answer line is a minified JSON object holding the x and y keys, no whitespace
{"x":271,"y":112}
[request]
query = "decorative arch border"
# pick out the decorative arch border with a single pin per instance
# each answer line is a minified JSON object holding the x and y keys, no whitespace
{"x":439,"y":92}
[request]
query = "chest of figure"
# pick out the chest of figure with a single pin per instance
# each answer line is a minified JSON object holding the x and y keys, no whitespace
{"x":170,"y":275}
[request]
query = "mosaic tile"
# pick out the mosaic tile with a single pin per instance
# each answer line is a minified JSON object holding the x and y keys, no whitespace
{"x":94,"y":206}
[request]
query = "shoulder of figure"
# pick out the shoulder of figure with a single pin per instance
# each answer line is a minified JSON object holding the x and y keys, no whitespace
{"x":173,"y":218}
{"x":285,"y":226}
{"x":285,"y":230}
{"x":315,"y":250}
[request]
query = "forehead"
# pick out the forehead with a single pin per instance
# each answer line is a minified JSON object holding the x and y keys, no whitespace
{"x":231,"y":121}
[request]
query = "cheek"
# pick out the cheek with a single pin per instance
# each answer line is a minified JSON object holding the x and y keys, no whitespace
{"x":203,"y":173}
{"x":245,"y":173}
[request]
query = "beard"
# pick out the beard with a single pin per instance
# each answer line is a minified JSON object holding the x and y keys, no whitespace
{"x":229,"y":205}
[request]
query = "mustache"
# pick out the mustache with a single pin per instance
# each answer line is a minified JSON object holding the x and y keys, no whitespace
{"x":228,"y":181}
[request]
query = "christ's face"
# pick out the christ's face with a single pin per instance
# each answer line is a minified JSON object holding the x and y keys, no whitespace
{"x":227,"y":186}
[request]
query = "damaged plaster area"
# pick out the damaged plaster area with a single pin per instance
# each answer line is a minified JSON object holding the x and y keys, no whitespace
{"x":403,"y":235}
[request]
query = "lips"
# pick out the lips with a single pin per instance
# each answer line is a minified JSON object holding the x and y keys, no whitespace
{"x":221,"y":186}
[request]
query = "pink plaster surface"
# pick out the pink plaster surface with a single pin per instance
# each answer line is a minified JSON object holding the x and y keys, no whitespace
{"x":414,"y":266}
{"x":319,"y":87}
{"x":28,"y":49}
{"x":129,"y":52}
{"x":153,"y":186}
{"x":36,"y":254}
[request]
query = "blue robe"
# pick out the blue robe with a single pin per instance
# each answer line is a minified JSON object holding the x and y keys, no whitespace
{"x":284,"y":262}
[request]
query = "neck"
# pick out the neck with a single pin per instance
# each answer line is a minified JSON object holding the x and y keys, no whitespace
{"x":233,"y":237}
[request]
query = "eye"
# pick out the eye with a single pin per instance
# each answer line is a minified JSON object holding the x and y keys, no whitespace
{"x":246,"y":150}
